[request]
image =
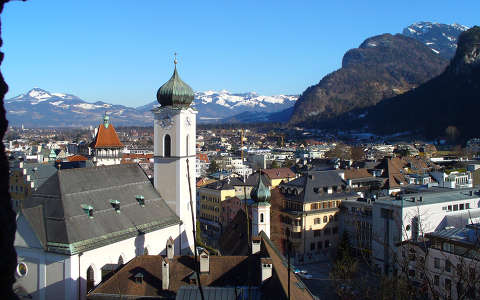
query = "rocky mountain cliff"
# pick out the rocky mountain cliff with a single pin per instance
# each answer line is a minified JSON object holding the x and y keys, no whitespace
{"x":441,"y":38}
{"x":382,"y":67}
{"x":450,"y":100}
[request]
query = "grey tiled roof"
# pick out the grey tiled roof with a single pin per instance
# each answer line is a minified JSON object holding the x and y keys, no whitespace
{"x":39,"y":172}
{"x":318,"y":180}
{"x":57,"y":207}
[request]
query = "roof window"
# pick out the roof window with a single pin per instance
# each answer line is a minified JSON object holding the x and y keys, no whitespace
{"x":140,"y":200}
{"x":116,"y":205}
{"x":88,"y":209}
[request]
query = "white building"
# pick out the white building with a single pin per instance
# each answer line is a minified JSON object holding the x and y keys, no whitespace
{"x":453,"y":180}
{"x":81,"y":222}
{"x":411,"y":216}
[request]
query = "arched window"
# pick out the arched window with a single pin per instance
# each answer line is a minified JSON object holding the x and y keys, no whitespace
{"x":261,"y":218}
{"x":325,"y":219}
{"x":145,"y":251}
{"x":90,"y":279}
{"x":167,"y":146}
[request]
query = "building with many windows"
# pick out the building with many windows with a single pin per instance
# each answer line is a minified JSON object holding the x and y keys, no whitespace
{"x":310,"y":213}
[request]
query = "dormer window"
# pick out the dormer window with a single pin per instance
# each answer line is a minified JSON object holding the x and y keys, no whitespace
{"x":116,"y":205}
{"x":140,"y":200}
{"x":316,"y":190}
{"x":88,"y":209}
{"x":138,"y":278}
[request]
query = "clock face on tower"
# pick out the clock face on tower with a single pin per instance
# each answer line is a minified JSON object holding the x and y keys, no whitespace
{"x":166,"y":122}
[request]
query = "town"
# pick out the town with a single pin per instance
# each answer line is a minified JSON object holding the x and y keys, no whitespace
{"x":337,"y":209}
{"x":288,"y":151}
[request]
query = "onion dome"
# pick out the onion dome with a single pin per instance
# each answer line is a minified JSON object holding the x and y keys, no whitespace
{"x":260,"y":193}
{"x":175,"y":92}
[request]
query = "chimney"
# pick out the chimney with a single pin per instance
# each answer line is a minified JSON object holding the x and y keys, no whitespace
{"x":165,"y":274}
{"x":266,"y":265}
{"x":170,"y":248}
{"x":256,"y":243}
{"x":204,"y":262}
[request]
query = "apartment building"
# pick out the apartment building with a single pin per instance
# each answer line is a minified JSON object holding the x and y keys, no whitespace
{"x":310,"y":213}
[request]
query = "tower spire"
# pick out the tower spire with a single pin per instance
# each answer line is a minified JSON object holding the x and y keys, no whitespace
{"x":175,"y":61}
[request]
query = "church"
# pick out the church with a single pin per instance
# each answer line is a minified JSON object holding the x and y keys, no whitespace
{"x":83,"y":223}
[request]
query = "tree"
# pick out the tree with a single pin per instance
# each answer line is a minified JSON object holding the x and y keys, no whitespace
{"x":213,"y":167}
{"x":275,"y":164}
{"x":357,"y":153}
{"x":199,"y":234}
{"x":340,"y":151}
{"x":289,"y":163}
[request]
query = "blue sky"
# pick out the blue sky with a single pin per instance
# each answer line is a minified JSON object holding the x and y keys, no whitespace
{"x":122,"y":51}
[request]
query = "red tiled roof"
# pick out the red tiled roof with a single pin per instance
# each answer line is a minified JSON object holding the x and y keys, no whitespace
{"x":203,"y":157}
{"x":278,"y":173}
{"x":357,"y":173}
{"x":77,"y":157}
{"x":106,"y":138}
{"x":223,"y":272}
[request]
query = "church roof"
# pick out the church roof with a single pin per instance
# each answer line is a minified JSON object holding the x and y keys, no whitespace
{"x":106,"y":138}
{"x":62,"y":205}
{"x":175,"y":92}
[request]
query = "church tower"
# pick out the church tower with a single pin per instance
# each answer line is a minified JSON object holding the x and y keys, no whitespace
{"x":106,"y":147}
{"x":174,"y":152}
{"x":260,"y":208}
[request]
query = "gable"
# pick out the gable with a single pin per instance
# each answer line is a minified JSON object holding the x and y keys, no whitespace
{"x":25,"y":236}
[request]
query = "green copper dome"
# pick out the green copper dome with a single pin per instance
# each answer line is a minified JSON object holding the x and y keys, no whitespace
{"x":175,"y":92}
{"x":260,"y":193}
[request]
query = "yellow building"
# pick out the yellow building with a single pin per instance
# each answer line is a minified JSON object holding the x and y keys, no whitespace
{"x":211,"y":196}
{"x":25,"y":178}
{"x":309,"y":214}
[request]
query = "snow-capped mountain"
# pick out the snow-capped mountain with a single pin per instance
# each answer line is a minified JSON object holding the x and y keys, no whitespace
{"x":40,"y":108}
{"x":214,"y":106}
{"x":441,"y":38}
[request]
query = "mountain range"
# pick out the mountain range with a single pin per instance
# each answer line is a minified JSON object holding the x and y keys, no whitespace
{"x":381,"y":67}
{"x":40,"y":108}
{"x":445,"y":106}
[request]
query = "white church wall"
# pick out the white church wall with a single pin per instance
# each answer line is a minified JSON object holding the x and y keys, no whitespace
{"x":128,"y":249}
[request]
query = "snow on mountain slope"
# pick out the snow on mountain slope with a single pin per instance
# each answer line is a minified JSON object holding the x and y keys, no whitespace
{"x":441,"y":38}
{"x":40,"y":108}
{"x":218,"y":105}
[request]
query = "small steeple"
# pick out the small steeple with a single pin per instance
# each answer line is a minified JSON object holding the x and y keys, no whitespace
{"x":106,"y":120}
{"x":260,"y":193}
